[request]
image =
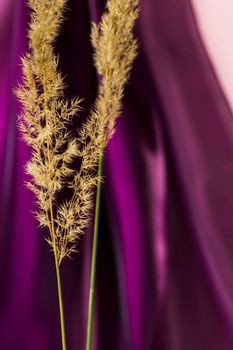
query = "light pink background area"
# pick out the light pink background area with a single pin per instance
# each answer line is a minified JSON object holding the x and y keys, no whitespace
{"x":215,"y":20}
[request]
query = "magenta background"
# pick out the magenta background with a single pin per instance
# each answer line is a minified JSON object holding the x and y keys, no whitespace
{"x":164,"y":274}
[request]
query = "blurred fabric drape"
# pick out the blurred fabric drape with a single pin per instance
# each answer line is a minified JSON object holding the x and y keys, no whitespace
{"x":164,"y":272}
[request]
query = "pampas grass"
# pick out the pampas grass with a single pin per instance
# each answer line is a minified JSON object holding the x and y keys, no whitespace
{"x":45,"y":123}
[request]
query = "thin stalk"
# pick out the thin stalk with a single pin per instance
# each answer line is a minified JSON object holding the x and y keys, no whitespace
{"x":59,"y":289}
{"x":94,"y":255}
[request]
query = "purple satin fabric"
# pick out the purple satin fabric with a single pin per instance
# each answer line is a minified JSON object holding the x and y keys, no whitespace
{"x":164,"y":272}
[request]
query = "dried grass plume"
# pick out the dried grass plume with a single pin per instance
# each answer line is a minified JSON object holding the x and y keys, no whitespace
{"x":46,"y":115}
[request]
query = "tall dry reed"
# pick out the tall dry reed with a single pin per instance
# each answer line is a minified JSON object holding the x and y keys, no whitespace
{"x":44,"y":123}
{"x":115,"y":49}
{"x":46,"y":116}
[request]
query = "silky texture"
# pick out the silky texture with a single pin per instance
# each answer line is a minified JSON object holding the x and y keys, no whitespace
{"x":164,"y":271}
{"x":215,"y":24}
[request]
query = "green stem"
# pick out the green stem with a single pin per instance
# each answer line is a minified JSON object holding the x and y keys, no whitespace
{"x":94,"y":255}
{"x":59,"y":289}
{"x":62,"y":321}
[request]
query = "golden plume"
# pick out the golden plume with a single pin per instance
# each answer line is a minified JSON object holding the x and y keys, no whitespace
{"x":46,"y":115}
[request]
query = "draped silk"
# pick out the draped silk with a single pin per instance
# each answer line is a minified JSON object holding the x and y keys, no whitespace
{"x":164,"y":272}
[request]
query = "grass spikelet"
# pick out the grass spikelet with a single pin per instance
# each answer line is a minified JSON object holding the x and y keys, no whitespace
{"x":44,"y":122}
{"x":115,"y":49}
